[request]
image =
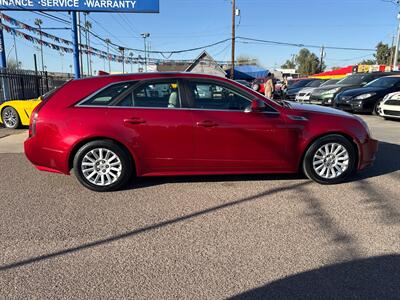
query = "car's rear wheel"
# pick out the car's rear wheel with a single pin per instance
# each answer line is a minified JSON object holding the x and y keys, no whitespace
{"x":10,"y":118}
{"x":330,"y":159}
{"x":102,"y":166}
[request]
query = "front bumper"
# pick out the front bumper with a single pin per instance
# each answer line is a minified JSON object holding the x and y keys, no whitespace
{"x":321,"y":100}
{"x":303,"y":98}
{"x":389,"y":111}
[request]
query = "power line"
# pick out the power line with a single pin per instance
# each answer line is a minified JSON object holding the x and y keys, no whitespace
{"x":302,"y":45}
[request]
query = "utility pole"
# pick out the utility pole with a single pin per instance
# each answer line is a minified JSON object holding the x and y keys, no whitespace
{"x":321,"y":62}
{"x":391,"y":52}
{"x":145,"y":35}
{"x":38,"y":23}
{"x":396,"y":52}
{"x":233,"y":38}
{"x":108,"y":42}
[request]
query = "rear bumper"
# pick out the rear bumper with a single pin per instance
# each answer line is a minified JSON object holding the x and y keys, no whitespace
{"x":368,"y":151}
{"x":44,"y":158}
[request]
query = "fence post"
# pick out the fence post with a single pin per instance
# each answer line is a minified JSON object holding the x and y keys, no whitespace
{"x":22,"y":87}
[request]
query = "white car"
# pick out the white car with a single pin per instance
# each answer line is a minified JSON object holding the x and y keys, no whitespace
{"x":390,"y":106}
{"x":304,"y":94}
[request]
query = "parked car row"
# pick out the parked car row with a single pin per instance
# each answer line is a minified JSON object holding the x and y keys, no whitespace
{"x":357,"y":93}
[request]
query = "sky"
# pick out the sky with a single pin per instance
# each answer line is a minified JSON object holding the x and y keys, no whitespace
{"x":184,"y":24}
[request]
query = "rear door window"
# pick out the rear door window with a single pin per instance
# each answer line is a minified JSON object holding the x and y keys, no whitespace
{"x":154,"y":94}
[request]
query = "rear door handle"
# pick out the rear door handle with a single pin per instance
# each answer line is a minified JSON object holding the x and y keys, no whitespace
{"x":207,"y":123}
{"x":134,"y":121}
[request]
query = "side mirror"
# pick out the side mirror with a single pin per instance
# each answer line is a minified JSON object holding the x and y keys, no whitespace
{"x":256,"y":106}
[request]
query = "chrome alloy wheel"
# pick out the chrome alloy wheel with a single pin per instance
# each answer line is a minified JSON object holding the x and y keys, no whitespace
{"x":10,"y":118}
{"x":101,"y":167}
{"x":331,"y":160}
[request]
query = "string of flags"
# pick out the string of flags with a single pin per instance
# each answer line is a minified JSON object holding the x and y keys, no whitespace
{"x":83,"y":48}
{"x":19,"y":24}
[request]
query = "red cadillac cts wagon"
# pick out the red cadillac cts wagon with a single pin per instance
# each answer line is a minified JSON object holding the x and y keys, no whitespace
{"x":109,"y":128}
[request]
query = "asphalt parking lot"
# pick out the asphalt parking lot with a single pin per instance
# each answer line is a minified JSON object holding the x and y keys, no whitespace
{"x":246,"y":237}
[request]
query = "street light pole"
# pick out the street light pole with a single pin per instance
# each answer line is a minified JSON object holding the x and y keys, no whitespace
{"x":39,"y":22}
{"x":131,"y":60}
{"x":122,"y":49}
{"x":144,"y":36}
{"x":233,"y":38}
{"x":108,"y":41}
{"x":16,"y":52}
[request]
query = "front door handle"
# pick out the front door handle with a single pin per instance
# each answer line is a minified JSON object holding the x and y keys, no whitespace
{"x":207,"y":123}
{"x":134,"y":121}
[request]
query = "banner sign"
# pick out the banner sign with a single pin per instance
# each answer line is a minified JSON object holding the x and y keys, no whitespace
{"x":125,"y":6}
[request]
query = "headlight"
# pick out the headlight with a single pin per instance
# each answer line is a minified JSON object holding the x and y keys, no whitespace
{"x":364,"y":96}
{"x":332,"y":91}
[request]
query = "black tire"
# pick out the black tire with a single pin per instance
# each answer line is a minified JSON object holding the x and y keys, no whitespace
{"x":311,"y":152}
{"x":14,"y":122}
{"x":123,"y":155}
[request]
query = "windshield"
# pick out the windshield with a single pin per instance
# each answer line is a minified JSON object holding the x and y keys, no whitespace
{"x":384,"y":82}
{"x":314,"y":83}
{"x":330,"y":81}
{"x":354,"y":79}
{"x":300,"y":83}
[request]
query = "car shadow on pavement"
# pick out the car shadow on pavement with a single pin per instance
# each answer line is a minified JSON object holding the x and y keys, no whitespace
{"x":162,"y":224}
{"x":143,"y":182}
{"x":370,"y":278}
{"x":387,"y":161}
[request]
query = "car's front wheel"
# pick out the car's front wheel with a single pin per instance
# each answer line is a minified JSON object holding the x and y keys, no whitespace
{"x":377,"y":109}
{"x":102,"y":166}
{"x":330,"y":159}
{"x":10,"y":118}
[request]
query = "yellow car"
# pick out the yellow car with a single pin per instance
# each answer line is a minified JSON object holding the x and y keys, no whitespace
{"x":16,"y":113}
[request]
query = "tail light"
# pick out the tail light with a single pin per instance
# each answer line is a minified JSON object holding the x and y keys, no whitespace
{"x":32,"y":127}
{"x":34,"y":118}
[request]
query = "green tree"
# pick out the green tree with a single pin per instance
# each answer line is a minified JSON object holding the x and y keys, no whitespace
{"x":308,"y":63}
{"x":367,"y":62}
{"x":289,"y":64}
{"x":12,"y":64}
{"x":383,"y":54}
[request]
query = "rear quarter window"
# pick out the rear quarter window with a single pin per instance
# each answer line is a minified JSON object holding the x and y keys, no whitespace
{"x":107,"y":95}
